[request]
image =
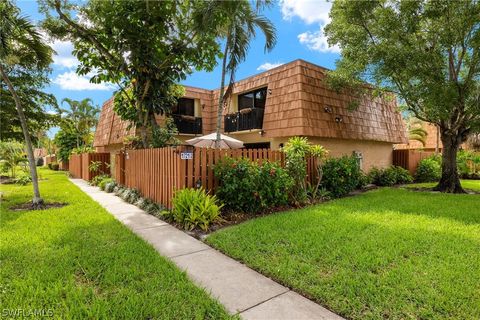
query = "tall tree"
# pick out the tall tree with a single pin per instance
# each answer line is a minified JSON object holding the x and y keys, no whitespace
{"x":144,"y":47}
{"x":81,"y":116}
{"x":428,"y":52}
{"x":238,"y":24}
{"x":33,"y":100}
{"x":22,"y":52}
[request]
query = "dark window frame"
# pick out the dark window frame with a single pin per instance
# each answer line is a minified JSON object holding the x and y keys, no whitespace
{"x":254,"y":98}
{"x":182,"y":110}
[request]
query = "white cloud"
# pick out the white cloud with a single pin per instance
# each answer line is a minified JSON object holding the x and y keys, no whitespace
{"x":268,"y":66}
{"x":63,"y":56}
{"x":310,"y":12}
{"x":317,"y":41}
{"x":72,"y":81}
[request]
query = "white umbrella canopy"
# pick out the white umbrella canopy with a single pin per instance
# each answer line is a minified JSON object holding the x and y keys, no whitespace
{"x":208,"y":141}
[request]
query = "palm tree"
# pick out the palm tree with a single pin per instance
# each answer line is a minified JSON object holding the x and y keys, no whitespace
{"x":238,"y":28}
{"x":83,"y":115}
{"x":416,"y":131}
{"x":22,"y":50}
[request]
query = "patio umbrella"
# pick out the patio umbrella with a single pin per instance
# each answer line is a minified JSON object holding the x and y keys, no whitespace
{"x":208,"y":141}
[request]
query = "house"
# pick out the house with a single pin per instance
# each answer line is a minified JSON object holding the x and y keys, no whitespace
{"x":267,"y":109}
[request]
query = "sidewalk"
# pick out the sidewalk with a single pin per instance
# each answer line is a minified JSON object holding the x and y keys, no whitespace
{"x":240,"y":289}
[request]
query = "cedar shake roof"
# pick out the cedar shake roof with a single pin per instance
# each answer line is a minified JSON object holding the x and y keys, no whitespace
{"x":299,"y":103}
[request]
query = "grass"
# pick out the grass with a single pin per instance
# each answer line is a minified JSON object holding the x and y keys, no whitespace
{"x":466,"y":184}
{"x":388,"y":253}
{"x":79,"y":262}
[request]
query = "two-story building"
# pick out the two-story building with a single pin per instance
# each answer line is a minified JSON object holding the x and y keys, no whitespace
{"x":267,"y":109}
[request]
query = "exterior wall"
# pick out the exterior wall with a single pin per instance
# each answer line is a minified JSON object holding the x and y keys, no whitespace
{"x":430,"y":143}
{"x":374,"y":154}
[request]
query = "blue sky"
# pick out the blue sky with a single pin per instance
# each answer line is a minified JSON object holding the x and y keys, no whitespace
{"x":299,"y":31}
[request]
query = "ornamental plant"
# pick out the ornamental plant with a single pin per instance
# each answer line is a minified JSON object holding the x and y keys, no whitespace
{"x":247,"y":186}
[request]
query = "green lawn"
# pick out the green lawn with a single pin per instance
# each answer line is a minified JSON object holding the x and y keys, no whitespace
{"x":389,"y":253}
{"x":79,"y":262}
{"x":466,"y":184}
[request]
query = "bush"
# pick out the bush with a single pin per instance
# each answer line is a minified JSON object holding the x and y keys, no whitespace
{"x":249,"y":187}
{"x":54,"y":166}
{"x":341,"y":176}
{"x":428,"y":170}
{"x":102,"y":184}
{"x":130,"y":195}
{"x":39,"y":162}
{"x":23,"y":180}
{"x":194,"y":208}
{"x":389,"y":176}
{"x":403,"y":175}
{"x":98,"y":179}
{"x":110,"y":186}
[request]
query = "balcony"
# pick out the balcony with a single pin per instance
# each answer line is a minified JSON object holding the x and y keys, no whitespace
{"x":188,"y":124}
{"x":246,"y":119}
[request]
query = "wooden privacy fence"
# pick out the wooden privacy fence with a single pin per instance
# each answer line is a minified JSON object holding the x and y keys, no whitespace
{"x":409,"y":159}
{"x":157,"y":173}
{"x":79,"y":165}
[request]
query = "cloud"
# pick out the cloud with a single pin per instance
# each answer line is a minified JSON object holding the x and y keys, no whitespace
{"x":63,"y":57}
{"x":310,"y":12}
{"x":72,"y":81}
{"x":268,"y":66}
{"x":317,"y":41}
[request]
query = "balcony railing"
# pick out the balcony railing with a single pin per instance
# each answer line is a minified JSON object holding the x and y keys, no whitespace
{"x":187,"y":124}
{"x":244,"y":120}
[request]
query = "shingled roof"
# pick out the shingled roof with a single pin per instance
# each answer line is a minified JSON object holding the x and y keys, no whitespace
{"x":299,"y":103}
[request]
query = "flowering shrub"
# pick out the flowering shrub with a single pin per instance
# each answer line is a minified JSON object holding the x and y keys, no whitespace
{"x":249,"y":187}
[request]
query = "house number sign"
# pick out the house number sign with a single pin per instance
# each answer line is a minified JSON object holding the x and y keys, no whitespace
{"x":186,"y":155}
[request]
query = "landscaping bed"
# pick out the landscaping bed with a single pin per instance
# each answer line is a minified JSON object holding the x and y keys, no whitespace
{"x":79,"y":262}
{"x":388,"y":253}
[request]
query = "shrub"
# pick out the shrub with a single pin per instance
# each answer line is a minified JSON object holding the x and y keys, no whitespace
{"x":341,"y":176}
{"x":39,"y":162}
{"x":54,"y":166}
{"x":403,"y":175}
{"x":249,"y":187}
{"x":296,"y":149}
{"x":389,"y":176}
{"x":118,"y":190}
{"x":110,"y":186}
{"x":98,"y":179}
{"x":194,"y":208}
{"x":130,"y":195}
{"x":428,"y":170}
{"x":102,"y":184}
{"x":23,"y":180}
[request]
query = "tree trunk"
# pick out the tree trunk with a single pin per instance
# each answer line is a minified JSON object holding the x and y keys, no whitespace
{"x":37,"y":201}
{"x":220,"y":96}
{"x":450,"y":181}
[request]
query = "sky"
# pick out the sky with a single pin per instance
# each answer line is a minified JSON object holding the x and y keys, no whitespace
{"x":299,"y":25}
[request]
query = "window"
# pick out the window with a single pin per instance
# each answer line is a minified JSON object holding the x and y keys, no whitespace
{"x":185,"y":107}
{"x":258,"y":145}
{"x":252,"y":99}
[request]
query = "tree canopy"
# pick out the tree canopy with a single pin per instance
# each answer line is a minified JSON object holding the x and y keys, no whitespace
{"x":428,"y":52}
{"x":144,"y":47}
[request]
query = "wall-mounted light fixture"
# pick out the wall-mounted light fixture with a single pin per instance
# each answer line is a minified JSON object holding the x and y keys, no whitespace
{"x":338,"y":119}
{"x":269,"y":91}
{"x":261,"y":132}
{"x":328,"y":109}
{"x":203,"y":106}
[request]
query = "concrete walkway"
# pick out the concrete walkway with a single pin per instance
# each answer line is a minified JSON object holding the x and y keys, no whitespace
{"x":240,"y":289}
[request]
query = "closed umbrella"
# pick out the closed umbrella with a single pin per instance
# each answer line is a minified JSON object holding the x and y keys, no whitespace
{"x":208,"y":141}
